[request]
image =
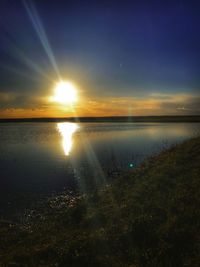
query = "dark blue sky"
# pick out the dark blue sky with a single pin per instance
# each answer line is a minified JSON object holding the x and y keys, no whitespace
{"x":110,"y":48}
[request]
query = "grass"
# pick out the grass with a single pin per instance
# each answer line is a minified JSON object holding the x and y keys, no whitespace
{"x":149,"y":216}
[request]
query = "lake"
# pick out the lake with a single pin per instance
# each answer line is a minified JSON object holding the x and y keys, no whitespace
{"x":49,"y":157}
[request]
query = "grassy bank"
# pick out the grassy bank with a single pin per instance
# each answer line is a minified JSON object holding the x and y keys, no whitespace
{"x":148,"y":217}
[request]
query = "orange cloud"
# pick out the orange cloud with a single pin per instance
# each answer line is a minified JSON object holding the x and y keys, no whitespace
{"x":122,"y":106}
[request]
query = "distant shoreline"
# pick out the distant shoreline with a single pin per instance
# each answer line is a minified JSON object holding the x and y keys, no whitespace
{"x":192,"y":118}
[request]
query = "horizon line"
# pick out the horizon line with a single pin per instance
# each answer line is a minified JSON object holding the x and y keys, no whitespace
{"x":150,"y":118}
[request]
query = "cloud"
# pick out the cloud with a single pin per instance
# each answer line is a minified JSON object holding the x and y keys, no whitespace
{"x":183,"y":105}
{"x":17,"y":100}
{"x":13,"y":104}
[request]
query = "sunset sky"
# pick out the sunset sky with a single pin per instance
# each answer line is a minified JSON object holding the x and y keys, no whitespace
{"x":123,"y":57}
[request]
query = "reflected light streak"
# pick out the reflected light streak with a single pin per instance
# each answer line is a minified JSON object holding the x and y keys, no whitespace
{"x":67,"y":129}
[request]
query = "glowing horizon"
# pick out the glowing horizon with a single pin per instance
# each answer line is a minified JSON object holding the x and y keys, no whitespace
{"x":155,"y":104}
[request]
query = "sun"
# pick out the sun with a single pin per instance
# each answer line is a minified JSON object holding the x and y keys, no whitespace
{"x":65,"y":93}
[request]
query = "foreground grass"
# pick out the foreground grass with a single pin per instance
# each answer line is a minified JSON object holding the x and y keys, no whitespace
{"x":148,"y":217}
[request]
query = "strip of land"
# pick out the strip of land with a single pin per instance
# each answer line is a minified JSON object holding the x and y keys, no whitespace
{"x":192,"y":118}
{"x":149,"y":216}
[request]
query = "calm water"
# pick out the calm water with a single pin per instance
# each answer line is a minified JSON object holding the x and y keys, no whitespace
{"x":48,"y":156}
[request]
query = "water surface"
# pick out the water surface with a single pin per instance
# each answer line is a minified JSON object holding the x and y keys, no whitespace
{"x":41,"y":157}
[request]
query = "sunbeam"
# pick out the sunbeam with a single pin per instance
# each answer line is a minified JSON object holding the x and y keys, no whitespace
{"x":37,"y":24}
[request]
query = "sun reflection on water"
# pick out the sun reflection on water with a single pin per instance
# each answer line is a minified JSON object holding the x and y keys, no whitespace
{"x":67,"y":129}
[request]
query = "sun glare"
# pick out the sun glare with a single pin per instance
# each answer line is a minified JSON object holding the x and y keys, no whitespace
{"x":67,"y":129}
{"x":65,"y":93}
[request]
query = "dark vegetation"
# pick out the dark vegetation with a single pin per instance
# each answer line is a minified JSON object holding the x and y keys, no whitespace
{"x":149,"y":216}
{"x":189,"y":118}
